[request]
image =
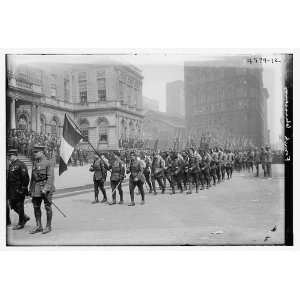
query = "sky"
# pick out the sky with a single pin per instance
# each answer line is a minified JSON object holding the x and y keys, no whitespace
{"x":160,"y":68}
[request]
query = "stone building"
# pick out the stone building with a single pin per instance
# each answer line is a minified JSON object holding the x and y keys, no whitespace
{"x":226,"y":96}
{"x":175,"y":98}
{"x":104,"y":99}
{"x":167,"y":129}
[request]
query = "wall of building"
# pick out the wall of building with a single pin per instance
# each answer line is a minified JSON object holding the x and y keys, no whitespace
{"x":225,"y":99}
{"x":175,"y":98}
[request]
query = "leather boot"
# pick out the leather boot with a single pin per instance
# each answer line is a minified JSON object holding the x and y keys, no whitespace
{"x":49,"y":220}
{"x":96,"y":199}
{"x":38,"y":217}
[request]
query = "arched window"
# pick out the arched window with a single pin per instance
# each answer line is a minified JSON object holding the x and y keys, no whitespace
{"x":23,"y":122}
{"x":103,"y":131}
{"x":42,"y":124}
{"x":54,"y":126}
{"x":84,"y":128}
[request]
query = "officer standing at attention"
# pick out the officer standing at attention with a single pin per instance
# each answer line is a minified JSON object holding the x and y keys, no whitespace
{"x":17,"y":184}
{"x":136,"y":178}
{"x":41,"y":188}
{"x":117,"y":176}
{"x":99,"y":167}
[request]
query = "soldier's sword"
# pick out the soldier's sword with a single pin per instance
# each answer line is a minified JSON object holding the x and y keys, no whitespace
{"x":58,"y":209}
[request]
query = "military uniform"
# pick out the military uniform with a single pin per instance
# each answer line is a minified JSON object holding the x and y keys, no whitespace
{"x":117,"y":176}
{"x":222,"y":160}
{"x":17,"y":184}
{"x":147,"y":172}
{"x":136,"y":178}
{"x":193,"y":171}
{"x":229,"y":164}
{"x":42,"y":189}
{"x":213,"y":167}
{"x":268,"y":161}
{"x":99,"y":167}
{"x":257,"y":158}
{"x":250,"y":160}
{"x":176,"y":169}
{"x":263,"y":160}
{"x":157,"y":173}
{"x":205,"y":168}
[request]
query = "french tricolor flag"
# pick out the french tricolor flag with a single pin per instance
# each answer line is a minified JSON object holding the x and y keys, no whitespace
{"x":70,"y":138}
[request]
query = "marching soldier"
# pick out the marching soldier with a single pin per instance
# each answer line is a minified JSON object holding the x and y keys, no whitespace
{"x":17,"y":184}
{"x":147,"y":172}
{"x":222,"y":159}
{"x":136,"y":178}
{"x":157,"y":172}
{"x":250,"y":160}
{"x":214,"y":166}
{"x":193,"y":170}
{"x":176,"y":169}
{"x":42,"y":188}
{"x":263,"y":160}
{"x":99,"y":167}
{"x":205,"y":168}
{"x":229,"y":164}
{"x":117,"y":176}
{"x":185,"y":170}
{"x":268,"y":161}
{"x":257,"y":158}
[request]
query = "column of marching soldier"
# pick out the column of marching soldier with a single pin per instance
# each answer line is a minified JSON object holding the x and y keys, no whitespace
{"x":184,"y":171}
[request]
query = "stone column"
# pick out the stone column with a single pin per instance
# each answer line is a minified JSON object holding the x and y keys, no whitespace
{"x":13,"y":114}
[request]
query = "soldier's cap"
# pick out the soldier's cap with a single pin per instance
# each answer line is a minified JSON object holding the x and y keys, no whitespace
{"x":38,"y":148}
{"x":12,"y":152}
{"x":267,"y":147}
{"x":132,"y":152}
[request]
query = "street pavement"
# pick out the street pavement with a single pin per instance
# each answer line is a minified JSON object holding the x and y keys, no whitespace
{"x":240,"y":211}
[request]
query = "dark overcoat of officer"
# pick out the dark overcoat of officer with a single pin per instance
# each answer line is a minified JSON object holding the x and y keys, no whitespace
{"x":17,"y":187}
{"x":99,"y":167}
{"x":42,"y":188}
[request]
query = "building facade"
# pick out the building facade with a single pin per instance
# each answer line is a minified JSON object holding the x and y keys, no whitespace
{"x":175,"y":98}
{"x":150,"y":104}
{"x":104,"y":100}
{"x":226,"y":97}
{"x":164,"y":127}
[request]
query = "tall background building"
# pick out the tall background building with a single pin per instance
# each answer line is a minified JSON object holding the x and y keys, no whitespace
{"x":104,"y":99}
{"x":175,"y":98}
{"x":226,"y":99}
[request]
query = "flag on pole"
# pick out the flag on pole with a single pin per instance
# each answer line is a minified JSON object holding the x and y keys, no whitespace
{"x":70,"y":138}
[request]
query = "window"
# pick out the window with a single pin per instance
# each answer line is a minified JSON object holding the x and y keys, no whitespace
{"x":84,"y":128}
{"x":85,"y":133}
{"x":101,"y":89}
{"x":83,"y":97}
{"x":53,"y":90}
{"x":103,"y":131}
{"x":54,"y":127}
{"x":67,"y":89}
{"x":82,"y":87}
